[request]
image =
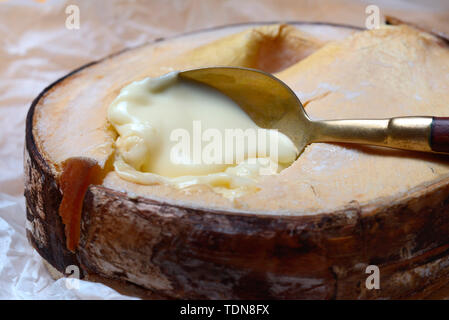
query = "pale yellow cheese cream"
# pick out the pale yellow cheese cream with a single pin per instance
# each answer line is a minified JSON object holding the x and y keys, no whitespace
{"x":180,"y":132}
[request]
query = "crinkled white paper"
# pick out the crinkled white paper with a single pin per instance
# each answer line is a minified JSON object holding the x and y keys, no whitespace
{"x":22,"y":273}
{"x":36,"y":48}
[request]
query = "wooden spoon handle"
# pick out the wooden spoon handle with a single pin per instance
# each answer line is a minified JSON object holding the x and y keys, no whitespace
{"x":439,"y":134}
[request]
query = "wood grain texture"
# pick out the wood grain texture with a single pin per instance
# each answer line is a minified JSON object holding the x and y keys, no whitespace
{"x":439,"y":136}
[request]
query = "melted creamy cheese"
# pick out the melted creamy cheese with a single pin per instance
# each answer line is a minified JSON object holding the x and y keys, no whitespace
{"x":184,"y":133}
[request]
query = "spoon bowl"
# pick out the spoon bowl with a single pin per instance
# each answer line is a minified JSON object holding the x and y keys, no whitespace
{"x":268,"y":101}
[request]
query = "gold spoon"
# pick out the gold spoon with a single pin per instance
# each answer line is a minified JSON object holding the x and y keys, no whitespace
{"x":271,"y":104}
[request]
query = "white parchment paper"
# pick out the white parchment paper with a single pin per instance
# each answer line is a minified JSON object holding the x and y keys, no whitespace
{"x":22,"y":274}
{"x":36,"y":48}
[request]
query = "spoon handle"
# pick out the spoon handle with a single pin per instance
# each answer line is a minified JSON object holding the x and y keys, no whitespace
{"x":429,"y":134}
{"x":439,"y":138}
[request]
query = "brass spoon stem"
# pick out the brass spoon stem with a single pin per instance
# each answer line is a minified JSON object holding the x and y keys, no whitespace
{"x":408,"y":133}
